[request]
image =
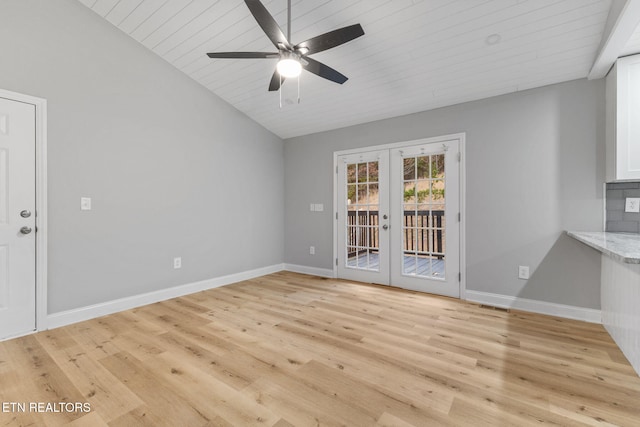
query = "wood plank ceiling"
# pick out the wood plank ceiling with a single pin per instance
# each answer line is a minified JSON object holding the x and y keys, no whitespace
{"x":633,"y":45}
{"x":416,"y":55}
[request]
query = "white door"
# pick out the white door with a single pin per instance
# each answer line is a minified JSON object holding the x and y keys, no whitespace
{"x":426,"y":229}
{"x":363,"y":206}
{"x":17,"y":218}
{"x":398,"y":217}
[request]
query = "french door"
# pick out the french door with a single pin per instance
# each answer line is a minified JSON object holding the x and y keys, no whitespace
{"x":363,"y":217}
{"x":398,"y":217}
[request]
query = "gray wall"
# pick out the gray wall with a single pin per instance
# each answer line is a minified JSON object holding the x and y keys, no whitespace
{"x":172,"y":169}
{"x":535,"y":167}
{"x":617,"y":219}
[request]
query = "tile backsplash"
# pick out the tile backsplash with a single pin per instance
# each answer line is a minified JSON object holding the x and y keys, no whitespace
{"x":617,"y":219}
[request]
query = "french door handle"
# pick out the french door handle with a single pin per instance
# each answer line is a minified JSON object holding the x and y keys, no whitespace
{"x":385,"y":227}
{"x":25,"y":230}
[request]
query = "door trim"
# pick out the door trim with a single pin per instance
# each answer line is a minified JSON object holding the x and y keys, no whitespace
{"x":457,"y":136}
{"x":41,"y":201}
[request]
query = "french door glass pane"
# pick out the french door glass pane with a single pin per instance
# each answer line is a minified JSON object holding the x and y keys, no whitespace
{"x":362,"y":223}
{"x":351,"y":173}
{"x":423,"y":222}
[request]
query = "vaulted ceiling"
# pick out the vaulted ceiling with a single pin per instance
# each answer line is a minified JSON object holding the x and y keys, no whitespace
{"x":633,"y":45}
{"x":415,"y":55}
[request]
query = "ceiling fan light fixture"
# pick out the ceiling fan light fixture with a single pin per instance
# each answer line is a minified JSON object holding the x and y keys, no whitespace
{"x":289,"y":67}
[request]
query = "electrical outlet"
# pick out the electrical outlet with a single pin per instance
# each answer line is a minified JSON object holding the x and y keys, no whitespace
{"x":632,"y":204}
{"x":523,"y":272}
{"x":85,"y":203}
{"x":177,"y":262}
{"x":312,"y":250}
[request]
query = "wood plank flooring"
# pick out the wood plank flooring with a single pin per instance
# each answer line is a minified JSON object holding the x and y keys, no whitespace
{"x":295,"y":350}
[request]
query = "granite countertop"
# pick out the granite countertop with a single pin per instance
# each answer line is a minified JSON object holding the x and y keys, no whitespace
{"x":624,"y":247}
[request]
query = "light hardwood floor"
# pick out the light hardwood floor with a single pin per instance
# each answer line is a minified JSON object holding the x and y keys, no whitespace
{"x":289,"y":349}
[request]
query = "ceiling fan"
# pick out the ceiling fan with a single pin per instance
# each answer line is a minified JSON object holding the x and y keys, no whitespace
{"x":294,"y":58}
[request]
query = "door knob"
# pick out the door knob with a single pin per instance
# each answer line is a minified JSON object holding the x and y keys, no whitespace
{"x":25,"y":230}
{"x":384,"y":216}
{"x":385,"y":227}
{"x":25,"y":214}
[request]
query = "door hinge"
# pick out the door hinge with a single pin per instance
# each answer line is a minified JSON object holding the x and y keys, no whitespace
{"x":336,"y":261}
{"x":459,"y":217}
{"x":336,"y":169}
{"x":336,"y":215}
{"x":459,"y":156}
{"x":459,"y":277}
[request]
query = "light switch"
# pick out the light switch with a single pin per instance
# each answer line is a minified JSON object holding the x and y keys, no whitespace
{"x":85,"y":203}
{"x":312,"y":207}
{"x":319,"y":207}
{"x":632,"y":204}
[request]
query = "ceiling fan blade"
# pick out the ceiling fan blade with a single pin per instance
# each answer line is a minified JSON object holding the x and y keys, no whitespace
{"x":323,"y":71}
{"x":240,"y":55}
{"x":267,"y":23}
{"x":331,"y":39}
{"x":276,"y":80}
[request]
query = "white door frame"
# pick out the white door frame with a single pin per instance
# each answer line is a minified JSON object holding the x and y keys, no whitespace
{"x":457,"y":136}
{"x":41,"y":201}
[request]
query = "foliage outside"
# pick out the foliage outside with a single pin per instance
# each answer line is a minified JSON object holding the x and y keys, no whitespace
{"x":423,"y":171}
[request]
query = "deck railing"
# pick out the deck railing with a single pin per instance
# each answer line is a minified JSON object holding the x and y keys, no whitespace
{"x":423,"y":231}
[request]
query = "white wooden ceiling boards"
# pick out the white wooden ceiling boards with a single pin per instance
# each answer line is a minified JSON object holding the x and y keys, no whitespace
{"x":415,"y":55}
{"x":633,"y":45}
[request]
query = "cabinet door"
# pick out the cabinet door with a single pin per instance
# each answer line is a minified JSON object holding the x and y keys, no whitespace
{"x":628,"y":124}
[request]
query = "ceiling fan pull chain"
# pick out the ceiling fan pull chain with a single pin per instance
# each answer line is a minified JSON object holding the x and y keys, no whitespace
{"x":280,"y":89}
{"x":299,"y":88}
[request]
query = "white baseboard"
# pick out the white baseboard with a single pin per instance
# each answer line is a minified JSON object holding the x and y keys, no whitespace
{"x":314,"y":271}
{"x":567,"y":311}
{"x":75,"y":315}
{"x":63,"y":318}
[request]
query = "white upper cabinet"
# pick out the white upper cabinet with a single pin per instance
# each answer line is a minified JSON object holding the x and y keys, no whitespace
{"x":623,"y":120}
